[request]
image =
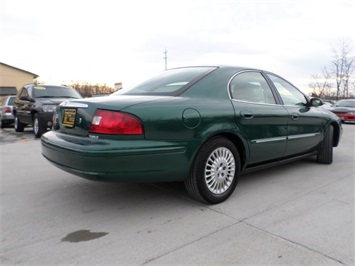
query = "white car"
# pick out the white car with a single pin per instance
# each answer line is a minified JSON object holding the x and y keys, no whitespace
{"x":6,"y":107}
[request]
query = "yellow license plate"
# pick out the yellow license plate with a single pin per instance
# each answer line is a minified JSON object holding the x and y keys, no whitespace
{"x":69,"y":117}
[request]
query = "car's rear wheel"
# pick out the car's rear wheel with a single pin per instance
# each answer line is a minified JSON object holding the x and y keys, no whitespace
{"x":37,"y":128}
{"x":325,"y":153}
{"x":215,"y":172}
{"x":19,"y":127}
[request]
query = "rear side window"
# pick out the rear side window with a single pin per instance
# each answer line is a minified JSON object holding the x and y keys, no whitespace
{"x":251,"y":87}
{"x":170,"y":82}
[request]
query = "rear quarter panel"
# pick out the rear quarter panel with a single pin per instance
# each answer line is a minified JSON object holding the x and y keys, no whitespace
{"x":168,"y":120}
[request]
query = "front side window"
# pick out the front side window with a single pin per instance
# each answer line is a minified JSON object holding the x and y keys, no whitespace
{"x":251,"y":87}
{"x":290,"y":95}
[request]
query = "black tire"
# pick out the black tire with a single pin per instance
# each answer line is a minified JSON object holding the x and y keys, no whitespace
{"x":325,"y":153}
{"x":37,"y":127}
{"x":19,"y":127}
{"x":215,"y":172}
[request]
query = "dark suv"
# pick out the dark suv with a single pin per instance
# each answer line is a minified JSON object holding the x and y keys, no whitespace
{"x":35,"y":105}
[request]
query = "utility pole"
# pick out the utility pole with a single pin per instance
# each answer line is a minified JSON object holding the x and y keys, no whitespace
{"x":166,"y":58}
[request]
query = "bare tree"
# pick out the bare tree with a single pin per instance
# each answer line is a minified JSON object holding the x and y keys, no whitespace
{"x":321,"y":85}
{"x":352,"y":92}
{"x":88,"y":90}
{"x":342,"y":67}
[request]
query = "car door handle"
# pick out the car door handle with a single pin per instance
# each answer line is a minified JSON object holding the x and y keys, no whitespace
{"x":247,"y":114}
{"x":295,"y":116}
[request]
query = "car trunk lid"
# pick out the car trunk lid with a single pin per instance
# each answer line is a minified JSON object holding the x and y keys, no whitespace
{"x":75,"y":117}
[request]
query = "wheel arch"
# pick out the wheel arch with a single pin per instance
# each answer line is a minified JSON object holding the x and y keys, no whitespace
{"x":235,"y":139}
{"x":33,"y":112}
{"x":337,"y":134}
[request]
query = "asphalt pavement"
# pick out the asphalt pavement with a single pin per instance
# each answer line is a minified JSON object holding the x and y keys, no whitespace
{"x":299,"y":213}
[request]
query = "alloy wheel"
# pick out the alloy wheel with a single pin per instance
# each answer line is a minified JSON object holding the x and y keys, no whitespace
{"x":220,"y":170}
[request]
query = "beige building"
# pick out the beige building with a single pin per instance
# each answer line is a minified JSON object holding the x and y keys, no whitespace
{"x":13,"y":77}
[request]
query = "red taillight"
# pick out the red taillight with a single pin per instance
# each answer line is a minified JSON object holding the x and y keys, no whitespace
{"x":7,"y":109}
{"x":111,"y":122}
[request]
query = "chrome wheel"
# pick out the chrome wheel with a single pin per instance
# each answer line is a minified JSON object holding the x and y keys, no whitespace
{"x":16,"y":123}
{"x":220,"y":170}
{"x":35,"y":126}
{"x":19,"y":127}
{"x":37,"y":129}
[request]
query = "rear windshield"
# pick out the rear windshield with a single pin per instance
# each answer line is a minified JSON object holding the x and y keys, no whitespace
{"x":169,"y":82}
{"x":11,"y":100}
{"x":54,"y":92}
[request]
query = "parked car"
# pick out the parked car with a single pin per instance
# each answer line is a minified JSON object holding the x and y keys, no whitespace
{"x":200,"y":125}
{"x":35,"y":104}
{"x":6,"y":107}
{"x":330,"y":102}
{"x":327,"y":104}
{"x":345,"y":109}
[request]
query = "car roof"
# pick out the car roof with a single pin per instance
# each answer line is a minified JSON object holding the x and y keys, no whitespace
{"x":45,"y":85}
{"x":231,"y":67}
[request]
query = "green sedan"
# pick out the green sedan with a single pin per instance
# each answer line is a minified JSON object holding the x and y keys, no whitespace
{"x":201,"y":125}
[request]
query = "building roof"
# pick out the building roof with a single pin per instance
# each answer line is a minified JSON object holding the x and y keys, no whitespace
{"x":7,"y":90}
{"x":34,"y":75}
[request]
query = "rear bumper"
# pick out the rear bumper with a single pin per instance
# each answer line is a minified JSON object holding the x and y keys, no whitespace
{"x":6,"y":120}
{"x":7,"y":117}
{"x":116,"y":160}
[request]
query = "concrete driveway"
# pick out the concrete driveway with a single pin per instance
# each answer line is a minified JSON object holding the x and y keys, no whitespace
{"x":299,"y":213}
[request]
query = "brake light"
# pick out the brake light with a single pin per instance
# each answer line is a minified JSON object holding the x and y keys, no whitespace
{"x":111,"y":122}
{"x":7,"y":109}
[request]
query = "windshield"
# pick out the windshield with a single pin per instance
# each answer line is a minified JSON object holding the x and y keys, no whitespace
{"x":169,"y":82}
{"x":346,"y":104}
{"x":55,"y":92}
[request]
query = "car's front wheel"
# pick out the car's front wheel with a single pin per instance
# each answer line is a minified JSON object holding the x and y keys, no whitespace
{"x":325,"y":153}
{"x":215,"y":172}
{"x":19,"y":127}
{"x":37,"y":127}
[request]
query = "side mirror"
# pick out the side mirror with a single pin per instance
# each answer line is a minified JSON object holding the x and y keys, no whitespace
{"x":316,"y":102}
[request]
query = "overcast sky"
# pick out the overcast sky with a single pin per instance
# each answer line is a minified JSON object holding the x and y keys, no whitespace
{"x":110,"y":41}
